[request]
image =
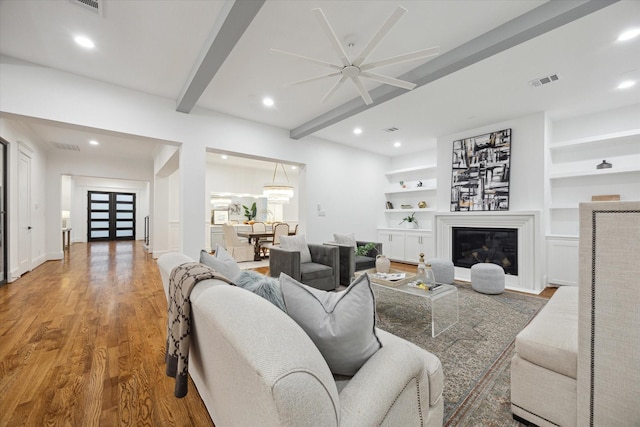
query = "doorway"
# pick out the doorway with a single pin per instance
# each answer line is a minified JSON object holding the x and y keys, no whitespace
{"x":3,"y":212}
{"x":111,"y":216}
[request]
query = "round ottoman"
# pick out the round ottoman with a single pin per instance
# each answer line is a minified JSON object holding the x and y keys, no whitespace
{"x":442,"y":270}
{"x":487,"y":278}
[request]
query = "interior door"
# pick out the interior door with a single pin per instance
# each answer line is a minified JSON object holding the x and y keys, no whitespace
{"x":24,"y":212}
{"x":3,"y":212}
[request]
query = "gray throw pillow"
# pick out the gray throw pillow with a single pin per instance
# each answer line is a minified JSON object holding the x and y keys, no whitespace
{"x":222,"y":262}
{"x":296,"y":243}
{"x":341,"y":324}
{"x":267,"y":287}
{"x":345,"y":239}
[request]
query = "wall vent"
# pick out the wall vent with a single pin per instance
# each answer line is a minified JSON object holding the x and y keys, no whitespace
{"x":94,"y":6}
{"x":391,"y":129}
{"x":70,"y":147}
{"x":544,"y":80}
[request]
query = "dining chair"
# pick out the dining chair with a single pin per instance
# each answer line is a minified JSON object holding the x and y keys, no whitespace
{"x":240,"y":251}
{"x":259,"y":227}
{"x":280,"y":229}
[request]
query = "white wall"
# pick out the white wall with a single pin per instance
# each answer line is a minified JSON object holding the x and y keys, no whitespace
{"x":344,"y":181}
{"x":526,"y":188}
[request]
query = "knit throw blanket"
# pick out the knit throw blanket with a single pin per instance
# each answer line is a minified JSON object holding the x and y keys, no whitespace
{"x":182,"y":280}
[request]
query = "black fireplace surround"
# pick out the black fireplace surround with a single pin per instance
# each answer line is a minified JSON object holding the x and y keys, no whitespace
{"x":488,"y":245}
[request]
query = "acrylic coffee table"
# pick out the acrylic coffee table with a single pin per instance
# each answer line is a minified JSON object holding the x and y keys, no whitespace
{"x":443,"y":299}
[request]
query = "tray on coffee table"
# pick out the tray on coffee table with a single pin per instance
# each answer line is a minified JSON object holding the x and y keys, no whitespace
{"x":384,"y":280}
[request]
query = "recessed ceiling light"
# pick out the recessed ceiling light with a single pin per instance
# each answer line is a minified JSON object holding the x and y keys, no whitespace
{"x":629,"y":34}
{"x":397,"y":144}
{"x":626,"y":84}
{"x":268,"y":101}
{"x":85,"y":42}
{"x":224,"y":157}
{"x":294,"y":167}
{"x":357,"y":131}
{"x":94,"y":142}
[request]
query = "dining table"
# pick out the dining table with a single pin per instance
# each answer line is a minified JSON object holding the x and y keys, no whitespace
{"x":256,"y":237}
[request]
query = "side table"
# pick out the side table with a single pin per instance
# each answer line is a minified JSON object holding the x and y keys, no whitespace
{"x":66,"y":239}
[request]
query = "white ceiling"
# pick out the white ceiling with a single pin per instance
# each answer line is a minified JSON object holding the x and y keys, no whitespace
{"x":154,"y":47}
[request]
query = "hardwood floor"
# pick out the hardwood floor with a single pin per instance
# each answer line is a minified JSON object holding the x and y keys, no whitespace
{"x":82,"y":342}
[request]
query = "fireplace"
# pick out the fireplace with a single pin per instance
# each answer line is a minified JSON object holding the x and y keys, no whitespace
{"x":472,"y":245}
{"x":529,"y":259}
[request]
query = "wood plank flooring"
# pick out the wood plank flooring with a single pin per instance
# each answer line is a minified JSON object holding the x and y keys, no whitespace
{"x":82,"y":344}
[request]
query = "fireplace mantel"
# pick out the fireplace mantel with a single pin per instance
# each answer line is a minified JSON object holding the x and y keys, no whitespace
{"x":529,"y":244}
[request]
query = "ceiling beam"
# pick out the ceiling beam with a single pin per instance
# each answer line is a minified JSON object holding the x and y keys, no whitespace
{"x":234,"y":19}
{"x":540,"y":20}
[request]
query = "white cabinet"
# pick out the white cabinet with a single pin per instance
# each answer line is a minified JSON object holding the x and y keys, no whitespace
{"x":392,"y":244}
{"x":574,"y":177}
{"x":416,"y":242}
{"x":406,"y":245}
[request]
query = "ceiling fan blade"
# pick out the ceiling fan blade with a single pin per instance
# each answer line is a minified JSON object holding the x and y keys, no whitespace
{"x":424,"y":53}
{"x":380,"y":35}
{"x":333,"y":89}
{"x":306,"y":58}
{"x":331,"y":35}
{"x":363,"y":91}
{"x":312,"y":79}
{"x":388,"y":80}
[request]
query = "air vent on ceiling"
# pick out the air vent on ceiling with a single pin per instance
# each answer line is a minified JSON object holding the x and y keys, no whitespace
{"x":544,"y":80}
{"x":391,"y":129}
{"x":93,"y":5}
{"x":70,"y":147}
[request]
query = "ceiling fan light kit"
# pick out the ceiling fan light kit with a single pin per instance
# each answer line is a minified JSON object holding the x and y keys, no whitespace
{"x":357,"y":70}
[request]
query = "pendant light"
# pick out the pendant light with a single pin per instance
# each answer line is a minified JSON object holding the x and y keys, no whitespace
{"x":278,"y":192}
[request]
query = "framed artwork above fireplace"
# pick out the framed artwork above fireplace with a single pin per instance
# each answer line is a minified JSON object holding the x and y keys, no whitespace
{"x":480,"y":172}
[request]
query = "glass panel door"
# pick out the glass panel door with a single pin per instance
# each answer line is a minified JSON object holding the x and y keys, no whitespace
{"x":111,"y":216}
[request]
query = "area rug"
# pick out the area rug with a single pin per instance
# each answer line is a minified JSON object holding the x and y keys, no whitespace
{"x":249,"y":265}
{"x":475,"y":353}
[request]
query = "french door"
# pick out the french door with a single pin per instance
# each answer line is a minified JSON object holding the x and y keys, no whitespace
{"x":111,"y":216}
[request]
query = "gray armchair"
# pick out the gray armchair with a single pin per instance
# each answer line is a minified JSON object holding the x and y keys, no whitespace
{"x":350,"y":262}
{"x":323,"y":272}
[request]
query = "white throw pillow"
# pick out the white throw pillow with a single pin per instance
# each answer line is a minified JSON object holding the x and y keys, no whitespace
{"x":222,"y":262}
{"x":345,"y":239}
{"x":296,"y":243}
{"x":341,"y":324}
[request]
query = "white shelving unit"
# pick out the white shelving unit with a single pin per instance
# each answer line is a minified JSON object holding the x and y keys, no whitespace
{"x":574,"y":178}
{"x":402,"y":244}
{"x":419,"y":184}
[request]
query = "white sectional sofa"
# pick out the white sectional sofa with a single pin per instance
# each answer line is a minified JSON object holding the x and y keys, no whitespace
{"x":578,"y":362}
{"x":254,"y":366}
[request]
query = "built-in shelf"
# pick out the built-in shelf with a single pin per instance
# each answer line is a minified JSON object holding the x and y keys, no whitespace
{"x":624,"y":136}
{"x":423,"y":168}
{"x":564,"y":207}
{"x":416,"y":210}
{"x":594,"y":172}
{"x":424,"y":188}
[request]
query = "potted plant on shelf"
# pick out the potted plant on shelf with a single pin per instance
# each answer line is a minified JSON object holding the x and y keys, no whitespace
{"x":410,"y":221}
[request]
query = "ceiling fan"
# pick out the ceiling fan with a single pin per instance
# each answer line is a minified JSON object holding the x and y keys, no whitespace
{"x":357,"y":69}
